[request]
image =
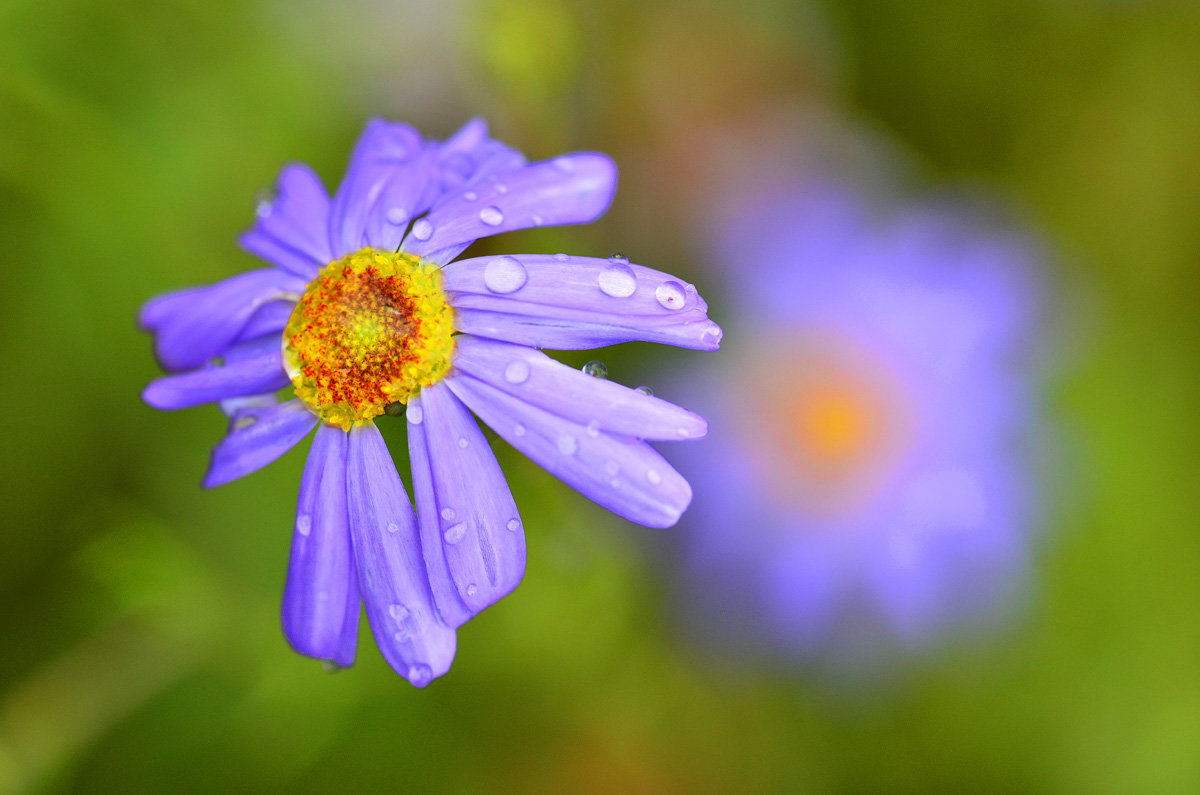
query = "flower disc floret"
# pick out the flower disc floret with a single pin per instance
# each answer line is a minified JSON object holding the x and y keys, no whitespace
{"x":372,"y":329}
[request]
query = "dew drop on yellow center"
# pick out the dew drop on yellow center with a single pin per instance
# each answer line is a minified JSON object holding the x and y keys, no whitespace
{"x":372,"y":329}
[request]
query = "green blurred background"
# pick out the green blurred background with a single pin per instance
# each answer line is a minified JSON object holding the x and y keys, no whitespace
{"x":141,"y":648}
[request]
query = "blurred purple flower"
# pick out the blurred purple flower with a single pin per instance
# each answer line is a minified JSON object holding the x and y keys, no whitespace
{"x":365,"y":310}
{"x":868,"y":477}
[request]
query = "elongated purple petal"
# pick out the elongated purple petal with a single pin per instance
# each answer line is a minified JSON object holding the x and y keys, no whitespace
{"x":321,"y":599}
{"x":290,"y":231}
{"x":391,"y":567}
{"x":470,"y":528}
{"x":257,"y":436}
{"x":468,"y":157}
{"x":270,"y":318}
{"x":570,"y":303}
{"x":625,"y":475}
{"x":386,"y":176}
{"x":194,"y":325}
{"x":571,"y":189}
{"x":595,"y":403}
{"x":257,"y":369}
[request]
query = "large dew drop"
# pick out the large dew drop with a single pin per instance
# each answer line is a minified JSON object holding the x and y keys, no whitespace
{"x":422,"y":229}
{"x":516,"y":371}
{"x":617,"y":279}
{"x":491,"y":216}
{"x":670,"y":295}
{"x":504,"y":275}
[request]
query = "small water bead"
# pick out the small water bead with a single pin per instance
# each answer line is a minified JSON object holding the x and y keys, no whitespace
{"x":670,"y":295}
{"x":392,"y":527}
{"x":264,"y":203}
{"x":303,"y":524}
{"x":501,"y":188}
{"x":593,"y":429}
{"x":617,"y":256}
{"x":516,"y":371}
{"x":396,"y":216}
{"x":518,"y":430}
{"x":561,"y":257}
{"x":644,"y":390}
{"x":463,"y":443}
{"x":447,"y":513}
{"x":422,"y":229}
{"x":399,"y":613}
{"x":653,"y":477}
{"x":472,"y":589}
{"x":415,"y":415}
{"x":455,"y":532}
{"x":564,"y":164}
{"x":491,"y":216}
{"x":537,"y":220}
{"x":612,"y":468}
{"x":567,"y":444}
{"x":617,"y":280}
{"x":470,"y":195}
{"x":513,"y":525}
{"x":504,"y":275}
{"x":596,"y":369}
{"x":420,"y":675}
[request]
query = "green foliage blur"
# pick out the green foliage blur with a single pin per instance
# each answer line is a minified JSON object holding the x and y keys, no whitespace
{"x":140,"y":629}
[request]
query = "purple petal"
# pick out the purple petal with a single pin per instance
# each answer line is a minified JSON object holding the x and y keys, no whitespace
{"x":290,"y":231}
{"x":377,"y":198}
{"x":571,"y":189}
{"x":194,"y":325}
{"x":470,"y":529}
{"x":625,"y":475}
{"x":391,"y":568}
{"x":569,"y":303}
{"x":595,"y":403}
{"x":321,"y":600}
{"x":257,"y":436}
{"x":255,"y":369}
{"x":270,"y":318}
{"x":468,"y":157}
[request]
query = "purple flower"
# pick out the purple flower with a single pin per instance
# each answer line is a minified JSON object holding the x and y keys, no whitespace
{"x":365,"y":312}
{"x":869,"y":478}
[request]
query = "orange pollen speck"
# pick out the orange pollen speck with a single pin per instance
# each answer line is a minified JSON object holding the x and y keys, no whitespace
{"x":372,"y":329}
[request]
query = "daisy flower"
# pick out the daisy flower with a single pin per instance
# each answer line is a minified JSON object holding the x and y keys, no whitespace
{"x":876,"y":419}
{"x":365,"y":312}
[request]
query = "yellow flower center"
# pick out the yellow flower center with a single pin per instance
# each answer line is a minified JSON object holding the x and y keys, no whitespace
{"x":372,"y":329}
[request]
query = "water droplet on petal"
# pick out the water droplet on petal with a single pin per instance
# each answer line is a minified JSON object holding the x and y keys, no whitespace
{"x":491,"y":216}
{"x":398,"y":613}
{"x":617,"y":280}
{"x":501,"y":188}
{"x":513,"y":525}
{"x":537,"y":220}
{"x":567,"y":444}
{"x":420,"y":675}
{"x":392,"y":527}
{"x":422,"y":229}
{"x":462,"y":443}
{"x":612,"y":468}
{"x":596,"y":369}
{"x":470,"y":195}
{"x":472,"y":589}
{"x":653,"y":477}
{"x":617,"y":256}
{"x":504,"y":275}
{"x":415,"y":414}
{"x":397,"y":216}
{"x":564,"y":164}
{"x":644,"y":390}
{"x":447,"y":513}
{"x":516,"y":371}
{"x":455,"y":532}
{"x":593,"y":429}
{"x":670,"y":295}
{"x":303,"y":524}
{"x":518,"y":430}
{"x":561,"y":257}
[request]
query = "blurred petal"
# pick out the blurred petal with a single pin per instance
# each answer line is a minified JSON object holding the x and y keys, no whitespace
{"x":385,"y":178}
{"x":192,"y":326}
{"x":569,"y":303}
{"x":257,"y":436}
{"x":600,"y":405}
{"x":290,"y":231}
{"x":391,"y":568}
{"x":571,"y":189}
{"x":469,"y":156}
{"x":625,"y":475}
{"x":257,"y":369}
{"x":321,"y":600}
{"x":470,"y":530}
